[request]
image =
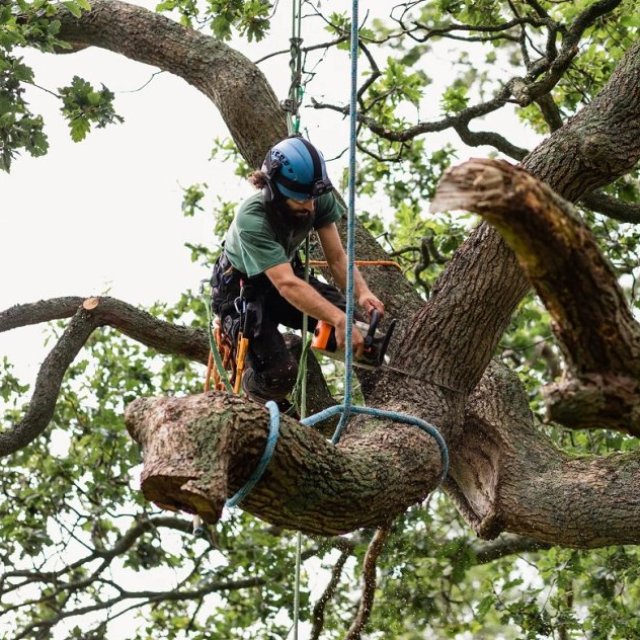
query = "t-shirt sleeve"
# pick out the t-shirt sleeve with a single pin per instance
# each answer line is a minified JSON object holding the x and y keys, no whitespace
{"x":260,"y":252}
{"x":328,"y":210}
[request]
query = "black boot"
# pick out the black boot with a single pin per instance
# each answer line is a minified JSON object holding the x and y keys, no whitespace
{"x":255,"y":392}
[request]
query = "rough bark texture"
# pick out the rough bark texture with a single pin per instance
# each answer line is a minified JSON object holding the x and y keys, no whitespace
{"x":515,"y":480}
{"x":504,"y":475}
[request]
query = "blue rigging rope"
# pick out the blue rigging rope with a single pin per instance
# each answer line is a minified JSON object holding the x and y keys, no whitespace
{"x":272,"y":438}
{"x":392,"y":415}
{"x":351,"y":254}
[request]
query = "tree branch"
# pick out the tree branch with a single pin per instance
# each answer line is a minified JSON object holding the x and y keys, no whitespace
{"x":577,"y":285}
{"x":368,"y":582}
{"x":317,"y":615}
{"x":201,"y":60}
{"x":505,"y":545}
{"x":612,"y":207}
{"x":95,"y":312}
{"x":523,"y":484}
{"x":47,"y":386}
{"x":200,"y":450}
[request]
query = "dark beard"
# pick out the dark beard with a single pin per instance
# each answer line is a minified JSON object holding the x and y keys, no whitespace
{"x":292,"y":221}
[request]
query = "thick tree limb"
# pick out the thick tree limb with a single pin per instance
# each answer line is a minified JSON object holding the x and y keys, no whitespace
{"x":514,"y":480}
{"x":23,"y":315}
{"x":223,"y":74}
{"x":200,"y":450}
{"x":577,"y":285}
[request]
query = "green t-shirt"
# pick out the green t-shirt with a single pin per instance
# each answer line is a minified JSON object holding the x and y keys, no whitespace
{"x":255,"y":243}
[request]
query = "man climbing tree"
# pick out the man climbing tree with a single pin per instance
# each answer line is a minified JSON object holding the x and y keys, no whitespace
{"x":537,"y":397}
{"x":258,"y":281}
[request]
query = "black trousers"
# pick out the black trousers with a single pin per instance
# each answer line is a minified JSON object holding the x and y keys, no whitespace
{"x":271,"y":370}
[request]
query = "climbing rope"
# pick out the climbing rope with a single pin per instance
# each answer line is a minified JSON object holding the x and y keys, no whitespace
{"x":292,"y":104}
{"x":346,"y":408}
{"x":302,"y":409}
{"x":396,"y":416}
{"x":353,"y":112}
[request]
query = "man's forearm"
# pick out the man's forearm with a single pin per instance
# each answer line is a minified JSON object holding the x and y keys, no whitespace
{"x":339,"y":273}
{"x":305,"y":298}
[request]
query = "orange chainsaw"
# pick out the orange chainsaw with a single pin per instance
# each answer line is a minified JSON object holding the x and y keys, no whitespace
{"x":375,"y":342}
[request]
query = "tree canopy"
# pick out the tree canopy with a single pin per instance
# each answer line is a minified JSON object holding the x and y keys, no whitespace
{"x":518,"y":338}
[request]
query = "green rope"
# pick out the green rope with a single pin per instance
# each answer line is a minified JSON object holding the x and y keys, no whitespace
{"x":214,"y":350}
{"x":302,"y":408}
{"x":296,"y":91}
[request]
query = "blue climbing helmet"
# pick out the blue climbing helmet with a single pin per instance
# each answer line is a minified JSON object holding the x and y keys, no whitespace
{"x":295,"y":169}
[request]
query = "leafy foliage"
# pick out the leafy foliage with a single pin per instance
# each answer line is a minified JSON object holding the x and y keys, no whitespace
{"x":36,"y":24}
{"x":82,"y":105}
{"x":249,"y":19}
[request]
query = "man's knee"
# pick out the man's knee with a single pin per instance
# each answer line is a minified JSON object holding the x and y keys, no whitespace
{"x":271,"y":383}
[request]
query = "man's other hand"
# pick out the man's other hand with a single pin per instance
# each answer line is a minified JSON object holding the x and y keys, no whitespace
{"x":370,"y":303}
{"x":357,"y":340}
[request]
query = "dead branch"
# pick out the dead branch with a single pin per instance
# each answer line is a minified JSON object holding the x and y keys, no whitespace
{"x":576,"y":283}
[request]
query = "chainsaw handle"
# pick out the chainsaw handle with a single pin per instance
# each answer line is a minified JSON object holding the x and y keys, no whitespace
{"x":373,"y":325}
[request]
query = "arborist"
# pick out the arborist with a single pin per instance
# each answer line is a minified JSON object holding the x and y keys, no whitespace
{"x":259,"y":278}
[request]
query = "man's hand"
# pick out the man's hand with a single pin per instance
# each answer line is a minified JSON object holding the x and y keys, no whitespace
{"x":370,"y":303}
{"x":357,"y":341}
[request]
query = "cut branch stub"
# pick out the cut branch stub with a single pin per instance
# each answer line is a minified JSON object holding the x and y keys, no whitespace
{"x":199,"y":450}
{"x":576,"y":283}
